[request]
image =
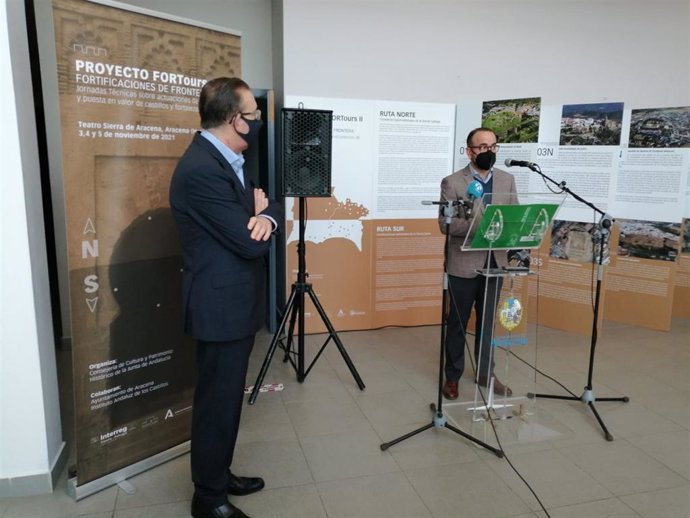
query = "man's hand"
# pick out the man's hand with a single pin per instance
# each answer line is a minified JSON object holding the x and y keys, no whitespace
{"x":260,"y":228}
{"x":260,"y":201}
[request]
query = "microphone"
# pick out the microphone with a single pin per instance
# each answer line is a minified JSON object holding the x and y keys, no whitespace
{"x":474,"y":190}
{"x":520,"y":163}
{"x":449,"y":202}
{"x":446,"y":208}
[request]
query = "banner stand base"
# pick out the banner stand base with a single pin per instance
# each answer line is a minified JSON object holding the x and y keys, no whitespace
{"x":115,"y":478}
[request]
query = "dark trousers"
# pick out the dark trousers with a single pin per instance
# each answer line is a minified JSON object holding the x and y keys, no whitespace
{"x":218,"y":399}
{"x":465,"y":294}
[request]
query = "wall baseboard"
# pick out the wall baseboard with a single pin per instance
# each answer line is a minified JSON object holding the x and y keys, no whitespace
{"x":36,"y":484}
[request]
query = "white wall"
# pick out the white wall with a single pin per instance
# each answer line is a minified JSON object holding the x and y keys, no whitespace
{"x":452,"y":51}
{"x":30,"y":433}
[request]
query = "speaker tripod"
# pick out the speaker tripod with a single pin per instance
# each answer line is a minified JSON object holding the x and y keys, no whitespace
{"x":294,"y":309}
{"x":439,"y":420}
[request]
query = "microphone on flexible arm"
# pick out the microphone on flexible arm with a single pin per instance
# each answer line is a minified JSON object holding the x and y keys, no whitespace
{"x":520,"y":163}
{"x":446,"y":208}
{"x":474,"y":190}
{"x":448,"y":202}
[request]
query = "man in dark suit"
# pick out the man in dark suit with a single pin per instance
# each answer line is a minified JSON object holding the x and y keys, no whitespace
{"x":467,"y":288}
{"x":225,"y":225}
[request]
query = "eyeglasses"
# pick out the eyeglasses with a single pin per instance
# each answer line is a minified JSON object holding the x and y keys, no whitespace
{"x":255,"y":115}
{"x":485,"y":147}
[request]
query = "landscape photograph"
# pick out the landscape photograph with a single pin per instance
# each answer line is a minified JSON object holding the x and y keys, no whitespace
{"x":513,"y":120}
{"x":573,"y":241}
{"x":649,"y":239}
{"x":591,"y":124}
{"x":660,"y":127}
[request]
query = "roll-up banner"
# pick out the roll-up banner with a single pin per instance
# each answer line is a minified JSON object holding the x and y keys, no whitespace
{"x":129,"y":84}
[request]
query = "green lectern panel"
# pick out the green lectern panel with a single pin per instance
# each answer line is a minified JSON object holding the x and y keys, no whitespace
{"x":513,"y":226}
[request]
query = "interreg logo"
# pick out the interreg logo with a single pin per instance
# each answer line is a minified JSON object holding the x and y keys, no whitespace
{"x":114,"y":434}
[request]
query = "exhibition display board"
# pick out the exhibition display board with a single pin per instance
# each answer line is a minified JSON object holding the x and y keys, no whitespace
{"x":375,"y":253}
{"x":630,"y":163}
{"x":681,"y":293}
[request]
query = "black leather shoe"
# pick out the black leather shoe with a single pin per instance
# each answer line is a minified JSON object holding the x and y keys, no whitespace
{"x":227,"y":510}
{"x":240,"y":486}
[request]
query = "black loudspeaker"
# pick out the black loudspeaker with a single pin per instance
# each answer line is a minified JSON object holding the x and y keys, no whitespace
{"x":307,"y":138}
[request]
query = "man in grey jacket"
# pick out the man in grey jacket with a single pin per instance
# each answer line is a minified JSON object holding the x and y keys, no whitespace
{"x":467,"y":288}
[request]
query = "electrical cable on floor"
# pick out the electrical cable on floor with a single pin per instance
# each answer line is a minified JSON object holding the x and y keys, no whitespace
{"x":488,"y":412}
{"x":592,"y":292}
{"x":507,"y":459}
{"x":534,"y":367}
{"x":539,"y":371}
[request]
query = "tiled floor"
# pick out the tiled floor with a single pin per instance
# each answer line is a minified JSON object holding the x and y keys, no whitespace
{"x":317,"y":444}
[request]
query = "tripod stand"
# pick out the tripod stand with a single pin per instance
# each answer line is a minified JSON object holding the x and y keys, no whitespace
{"x":439,"y":420}
{"x":601,"y":237}
{"x":295,"y":311}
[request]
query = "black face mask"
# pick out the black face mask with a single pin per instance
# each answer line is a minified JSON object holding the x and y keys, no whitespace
{"x":253,"y":133}
{"x":485,"y":160}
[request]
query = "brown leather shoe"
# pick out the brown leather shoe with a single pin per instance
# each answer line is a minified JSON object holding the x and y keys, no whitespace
{"x":450,"y":389}
{"x":499,"y":388}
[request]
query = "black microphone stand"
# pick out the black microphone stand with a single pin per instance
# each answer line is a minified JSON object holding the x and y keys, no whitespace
{"x":600,"y":237}
{"x":439,"y":420}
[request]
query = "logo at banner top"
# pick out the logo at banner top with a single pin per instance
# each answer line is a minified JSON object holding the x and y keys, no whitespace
{"x":307,"y":139}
